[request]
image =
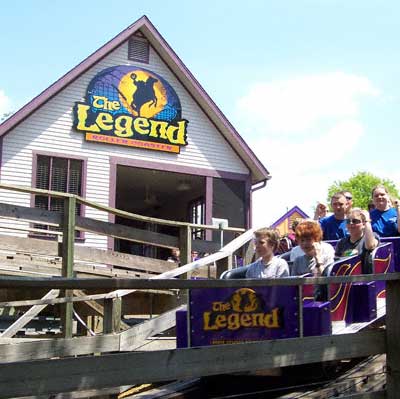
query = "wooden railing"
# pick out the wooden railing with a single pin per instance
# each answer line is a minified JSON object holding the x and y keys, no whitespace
{"x":42,"y":375}
{"x":68,"y":222}
{"x":45,"y":367}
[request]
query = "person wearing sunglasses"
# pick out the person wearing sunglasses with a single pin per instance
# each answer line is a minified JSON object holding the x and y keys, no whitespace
{"x":385,"y":218}
{"x":361,"y":241}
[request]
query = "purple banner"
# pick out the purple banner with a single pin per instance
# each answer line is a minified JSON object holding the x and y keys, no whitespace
{"x":231,"y":315}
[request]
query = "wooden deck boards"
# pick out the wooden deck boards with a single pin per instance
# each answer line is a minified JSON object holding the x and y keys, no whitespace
{"x":340,"y":327}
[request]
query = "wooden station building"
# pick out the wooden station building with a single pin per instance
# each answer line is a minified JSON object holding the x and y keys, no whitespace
{"x":130,"y":127}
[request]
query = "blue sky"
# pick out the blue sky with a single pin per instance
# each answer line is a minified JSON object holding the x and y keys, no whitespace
{"x":312,"y":86}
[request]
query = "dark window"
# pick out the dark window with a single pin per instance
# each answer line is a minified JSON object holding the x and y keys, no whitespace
{"x":197,"y":215}
{"x":232,"y":192}
{"x":138,"y":49}
{"x":57,"y":174}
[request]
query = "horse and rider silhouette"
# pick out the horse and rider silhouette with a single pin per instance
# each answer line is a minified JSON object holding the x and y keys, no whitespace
{"x":144,"y":93}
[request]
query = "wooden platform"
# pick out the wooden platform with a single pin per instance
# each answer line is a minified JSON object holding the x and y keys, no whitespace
{"x":340,"y":327}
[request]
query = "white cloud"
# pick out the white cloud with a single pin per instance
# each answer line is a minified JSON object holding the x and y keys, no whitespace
{"x":310,"y":153}
{"x":5,"y":103}
{"x":295,"y":105}
{"x":283,"y":193}
{"x":300,"y":128}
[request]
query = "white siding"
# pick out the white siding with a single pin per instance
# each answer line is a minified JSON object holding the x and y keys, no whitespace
{"x":49,"y":130}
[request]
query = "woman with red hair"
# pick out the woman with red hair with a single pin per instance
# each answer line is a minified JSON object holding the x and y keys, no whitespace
{"x":317,"y":258}
{"x":317,"y":254}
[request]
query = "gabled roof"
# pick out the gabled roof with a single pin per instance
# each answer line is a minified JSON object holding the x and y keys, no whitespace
{"x":258,"y":171}
{"x":288,"y":214}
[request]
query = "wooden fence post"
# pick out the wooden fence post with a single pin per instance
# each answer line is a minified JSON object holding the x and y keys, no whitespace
{"x":393,"y":339}
{"x":112,"y":315}
{"x":185,"y":244}
{"x":67,"y":253}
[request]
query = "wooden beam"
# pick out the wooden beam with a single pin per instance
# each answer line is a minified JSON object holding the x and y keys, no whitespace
{"x":185,"y":245}
{"x":67,"y":254}
{"x":166,"y":281}
{"x":82,"y":373}
{"x":31,"y":265}
{"x":38,"y":246}
{"x":153,"y":220}
{"x":18,"y":349}
{"x":89,"y":299}
{"x":126,"y":232}
{"x":99,"y":309}
{"x":27,"y":316}
{"x":393,"y":338}
{"x":28,"y":245}
{"x":68,"y":240}
{"x":135,"y":337}
{"x":114,"y":211}
{"x":112,"y":315}
{"x":30,"y":214}
{"x":13,"y":350}
{"x":121,"y":259}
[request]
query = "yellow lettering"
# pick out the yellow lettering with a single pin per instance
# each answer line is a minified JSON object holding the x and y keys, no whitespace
{"x":257,"y":319}
{"x":104,"y":121}
{"x":123,"y":126}
{"x":226,"y":306}
{"x":220,"y":321}
{"x":234,"y":321}
{"x":115,"y":105}
{"x":158,"y":129}
{"x":206,"y":322}
{"x":99,"y":101}
{"x":139,"y":124}
{"x":177,"y":134}
{"x":271,"y":319}
{"x":102,"y":102}
{"x":217,"y":306}
{"x":245,"y":320}
{"x":126,"y":126}
{"x":82,"y":113}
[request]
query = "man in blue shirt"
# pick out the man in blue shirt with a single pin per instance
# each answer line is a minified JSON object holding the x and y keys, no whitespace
{"x":384,"y":219}
{"x":334,"y":226}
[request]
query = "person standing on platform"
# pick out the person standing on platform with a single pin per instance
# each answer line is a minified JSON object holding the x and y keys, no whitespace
{"x":349,"y":201}
{"x":334,"y":226}
{"x":385,"y":219}
{"x":175,"y":256}
{"x":321,"y":211}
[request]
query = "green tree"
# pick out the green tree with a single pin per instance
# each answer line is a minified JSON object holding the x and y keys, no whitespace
{"x":361,"y":185}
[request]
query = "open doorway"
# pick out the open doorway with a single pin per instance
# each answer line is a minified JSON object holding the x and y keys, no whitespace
{"x":160,"y":194}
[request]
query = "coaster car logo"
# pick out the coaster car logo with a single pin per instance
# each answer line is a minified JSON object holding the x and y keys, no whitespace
{"x":244,"y":309}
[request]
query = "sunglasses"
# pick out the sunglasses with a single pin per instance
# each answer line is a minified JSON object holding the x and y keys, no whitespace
{"x":353,"y":221}
{"x":349,"y":198}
